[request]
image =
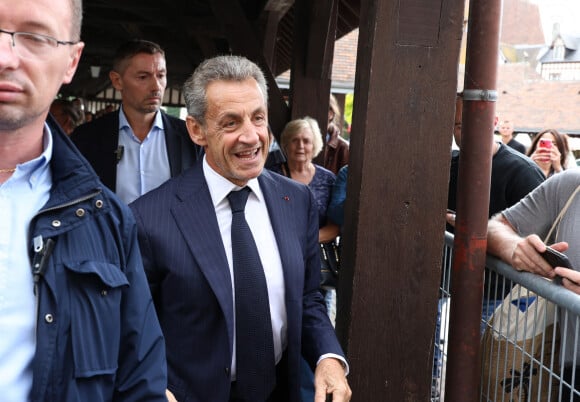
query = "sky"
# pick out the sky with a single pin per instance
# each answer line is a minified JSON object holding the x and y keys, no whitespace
{"x":565,"y":12}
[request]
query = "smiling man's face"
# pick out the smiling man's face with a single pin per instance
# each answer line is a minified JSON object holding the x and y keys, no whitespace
{"x":235,"y":135}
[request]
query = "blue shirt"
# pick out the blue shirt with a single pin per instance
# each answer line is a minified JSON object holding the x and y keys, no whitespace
{"x":143,"y":165}
{"x":21,"y":197}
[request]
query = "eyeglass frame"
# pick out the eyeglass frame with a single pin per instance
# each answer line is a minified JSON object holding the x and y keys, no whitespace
{"x":50,"y":39}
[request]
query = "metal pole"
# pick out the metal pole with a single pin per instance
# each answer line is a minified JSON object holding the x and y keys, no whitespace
{"x":463,"y":364}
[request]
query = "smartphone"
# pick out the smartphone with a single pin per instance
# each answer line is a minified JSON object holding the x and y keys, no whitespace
{"x":556,"y":259}
{"x":545,"y":143}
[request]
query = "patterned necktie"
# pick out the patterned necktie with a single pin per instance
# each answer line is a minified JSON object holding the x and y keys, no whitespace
{"x":255,"y":366}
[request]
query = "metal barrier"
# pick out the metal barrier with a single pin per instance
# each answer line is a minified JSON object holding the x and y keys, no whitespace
{"x":530,"y":348}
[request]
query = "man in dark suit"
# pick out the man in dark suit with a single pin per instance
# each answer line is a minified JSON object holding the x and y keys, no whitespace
{"x":137,"y":147}
{"x":186,"y":233}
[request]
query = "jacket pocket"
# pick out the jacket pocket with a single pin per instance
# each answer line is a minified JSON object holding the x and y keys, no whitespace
{"x":95,"y":304}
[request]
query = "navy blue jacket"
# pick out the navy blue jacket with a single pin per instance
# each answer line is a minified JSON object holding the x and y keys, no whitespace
{"x":187,"y":268}
{"x":98,"y":337}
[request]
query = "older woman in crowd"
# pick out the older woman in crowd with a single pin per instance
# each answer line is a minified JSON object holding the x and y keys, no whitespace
{"x":550,"y":151}
{"x":301,"y":142}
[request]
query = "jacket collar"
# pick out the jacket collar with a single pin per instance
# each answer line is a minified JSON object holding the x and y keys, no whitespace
{"x":72,"y":175}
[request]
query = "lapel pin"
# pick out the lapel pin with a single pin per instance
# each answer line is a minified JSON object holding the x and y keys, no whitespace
{"x":286,"y":198}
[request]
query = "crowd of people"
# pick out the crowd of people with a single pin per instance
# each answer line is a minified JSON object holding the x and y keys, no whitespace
{"x":167,"y":262}
{"x":529,"y":189}
{"x":147,"y":258}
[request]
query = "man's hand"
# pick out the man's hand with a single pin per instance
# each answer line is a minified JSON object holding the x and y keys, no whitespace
{"x":526,"y":256}
{"x":521,"y":253}
{"x":330,"y":378}
{"x":570,"y":279}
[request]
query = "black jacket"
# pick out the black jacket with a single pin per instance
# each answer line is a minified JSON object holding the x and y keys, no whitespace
{"x":98,"y":141}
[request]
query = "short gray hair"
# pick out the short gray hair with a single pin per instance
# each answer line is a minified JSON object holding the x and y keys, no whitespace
{"x":293,"y":127}
{"x":220,"y":68}
{"x":77,"y":19}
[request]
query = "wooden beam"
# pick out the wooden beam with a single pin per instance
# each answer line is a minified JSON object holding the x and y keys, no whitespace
{"x":322,"y":32}
{"x":310,"y":78}
{"x":400,"y":147}
{"x":243,"y":40}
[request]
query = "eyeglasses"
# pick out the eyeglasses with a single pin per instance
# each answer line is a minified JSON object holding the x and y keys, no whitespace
{"x":32,"y":45}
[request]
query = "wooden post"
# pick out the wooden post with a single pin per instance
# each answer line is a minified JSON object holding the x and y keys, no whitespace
{"x":405,"y":88}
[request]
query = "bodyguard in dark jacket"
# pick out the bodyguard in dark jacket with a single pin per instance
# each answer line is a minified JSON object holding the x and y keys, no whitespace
{"x":98,"y":337}
{"x":138,"y":147}
{"x":77,"y":321}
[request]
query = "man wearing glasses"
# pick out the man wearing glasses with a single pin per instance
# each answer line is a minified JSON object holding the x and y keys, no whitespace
{"x":76,"y":316}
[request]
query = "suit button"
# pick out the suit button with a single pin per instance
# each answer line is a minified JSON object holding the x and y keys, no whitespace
{"x":49,"y":318}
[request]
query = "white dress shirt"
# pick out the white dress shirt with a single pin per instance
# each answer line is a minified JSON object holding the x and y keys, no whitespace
{"x":259,"y":221}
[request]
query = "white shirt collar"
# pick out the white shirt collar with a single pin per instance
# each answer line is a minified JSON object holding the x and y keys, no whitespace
{"x":220,"y":187}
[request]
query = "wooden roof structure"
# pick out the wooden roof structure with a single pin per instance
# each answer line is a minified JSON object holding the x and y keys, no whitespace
{"x":190,"y":31}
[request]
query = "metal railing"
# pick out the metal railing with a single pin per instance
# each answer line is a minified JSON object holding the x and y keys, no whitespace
{"x":530,"y":345}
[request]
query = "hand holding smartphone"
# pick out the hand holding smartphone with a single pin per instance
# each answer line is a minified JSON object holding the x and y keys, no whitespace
{"x":556,"y":259}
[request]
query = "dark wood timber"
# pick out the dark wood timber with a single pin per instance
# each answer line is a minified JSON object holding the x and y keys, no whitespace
{"x":405,"y":88}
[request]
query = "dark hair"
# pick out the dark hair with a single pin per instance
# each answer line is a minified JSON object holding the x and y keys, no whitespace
{"x":561,"y":143}
{"x":131,"y":48}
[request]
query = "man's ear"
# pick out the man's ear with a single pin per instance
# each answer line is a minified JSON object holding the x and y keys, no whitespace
{"x":75,"y":55}
{"x":196,"y":131}
{"x":116,"y":81}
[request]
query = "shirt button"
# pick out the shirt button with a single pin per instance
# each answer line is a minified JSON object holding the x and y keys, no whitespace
{"x":56,"y":223}
{"x":49,"y":318}
{"x":80,"y":212}
{"x":104,"y":292}
{"x":99,"y":203}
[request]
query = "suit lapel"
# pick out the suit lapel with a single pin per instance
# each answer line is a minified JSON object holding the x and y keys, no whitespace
{"x":280,"y":207}
{"x":195,"y":216}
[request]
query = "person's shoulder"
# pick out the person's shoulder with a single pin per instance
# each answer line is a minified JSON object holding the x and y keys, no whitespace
{"x":510,"y":162}
{"x":568,"y":176}
{"x":512,"y":155}
{"x":518,"y":146}
{"x":106,"y":122}
{"x":174,"y":121}
{"x":342,"y":173}
{"x":324,"y":172}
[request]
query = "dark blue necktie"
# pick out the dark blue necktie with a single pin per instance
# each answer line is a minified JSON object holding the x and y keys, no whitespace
{"x":255,"y":365}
